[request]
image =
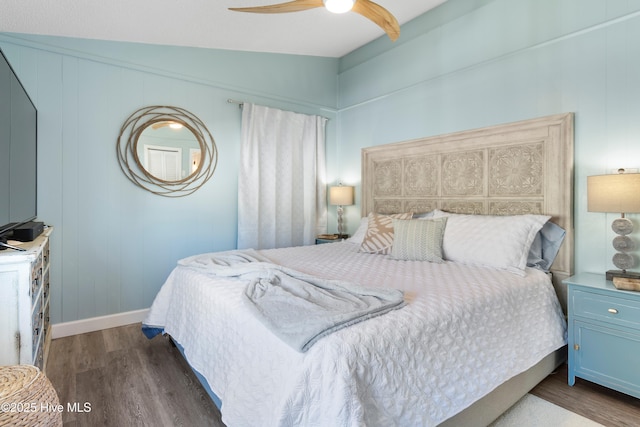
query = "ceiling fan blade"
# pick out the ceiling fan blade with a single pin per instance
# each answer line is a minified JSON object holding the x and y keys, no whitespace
{"x":292,"y":6}
{"x":378,"y":14}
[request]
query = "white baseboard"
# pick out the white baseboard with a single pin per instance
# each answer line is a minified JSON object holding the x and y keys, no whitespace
{"x":92,"y":324}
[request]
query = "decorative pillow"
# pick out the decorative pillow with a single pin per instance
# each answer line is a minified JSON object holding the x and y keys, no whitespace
{"x":545,"y":246}
{"x":379,"y":236}
{"x":418,"y":239}
{"x":358,"y":236}
{"x":501,"y":242}
{"x":423,"y":215}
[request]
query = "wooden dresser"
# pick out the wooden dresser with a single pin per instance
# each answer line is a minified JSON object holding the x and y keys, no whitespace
{"x":24,"y":303}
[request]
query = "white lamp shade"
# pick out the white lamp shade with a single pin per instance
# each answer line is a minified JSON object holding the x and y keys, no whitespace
{"x":614,"y":193}
{"x":341,"y":195}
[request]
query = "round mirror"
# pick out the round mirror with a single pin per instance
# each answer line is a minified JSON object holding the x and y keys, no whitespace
{"x":166,"y":150}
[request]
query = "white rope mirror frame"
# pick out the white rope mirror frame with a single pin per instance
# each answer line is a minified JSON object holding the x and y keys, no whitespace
{"x":132,"y":167}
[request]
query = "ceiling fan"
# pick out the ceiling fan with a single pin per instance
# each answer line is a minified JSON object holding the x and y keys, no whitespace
{"x":370,"y":10}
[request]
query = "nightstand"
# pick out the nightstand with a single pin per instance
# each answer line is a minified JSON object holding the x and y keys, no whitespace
{"x":321,"y":239}
{"x":604,"y":333}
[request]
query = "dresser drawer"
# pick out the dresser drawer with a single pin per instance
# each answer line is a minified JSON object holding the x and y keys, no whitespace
{"x":24,"y":303}
{"x":606,"y":308}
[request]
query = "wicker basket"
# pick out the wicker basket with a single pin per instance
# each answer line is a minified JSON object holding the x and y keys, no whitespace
{"x":27,"y":398}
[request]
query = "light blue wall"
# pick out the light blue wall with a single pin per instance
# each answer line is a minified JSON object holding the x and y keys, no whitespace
{"x":114,"y":244}
{"x":478,"y":63}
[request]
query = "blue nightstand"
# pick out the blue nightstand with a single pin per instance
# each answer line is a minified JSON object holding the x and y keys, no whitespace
{"x":333,"y":239}
{"x":604,"y":333}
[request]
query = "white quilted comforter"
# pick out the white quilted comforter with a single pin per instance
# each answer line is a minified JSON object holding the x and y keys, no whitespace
{"x":464,"y":331}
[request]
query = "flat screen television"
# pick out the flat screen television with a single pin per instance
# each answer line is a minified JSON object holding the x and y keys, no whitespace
{"x":18,"y":155}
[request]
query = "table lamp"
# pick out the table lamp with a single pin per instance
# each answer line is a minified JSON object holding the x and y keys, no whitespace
{"x":617,"y":193}
{"x":341,"y":195}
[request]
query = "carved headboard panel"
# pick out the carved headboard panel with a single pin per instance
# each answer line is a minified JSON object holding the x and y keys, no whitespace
{"x":515,"y":168}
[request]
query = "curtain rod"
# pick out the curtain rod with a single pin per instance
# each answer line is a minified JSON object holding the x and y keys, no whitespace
{"x":233,"y":101}
{"x":241,"y":103}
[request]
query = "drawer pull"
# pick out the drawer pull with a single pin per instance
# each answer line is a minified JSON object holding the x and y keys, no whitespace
{"x":613,"y":311}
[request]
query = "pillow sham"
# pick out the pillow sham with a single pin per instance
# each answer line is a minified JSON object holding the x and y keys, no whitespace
{"x":379,"y":236}
{"x":358,"y":236}
{"x":501,"y":242}
{"x":418,"y":239}
{"x":545,"y":246}
{"x":423,"y":215}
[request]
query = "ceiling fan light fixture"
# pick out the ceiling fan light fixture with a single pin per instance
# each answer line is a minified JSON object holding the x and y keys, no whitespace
{"x":367,"y":8}
{"x":175,"y":125}
{"x":339,"y":6}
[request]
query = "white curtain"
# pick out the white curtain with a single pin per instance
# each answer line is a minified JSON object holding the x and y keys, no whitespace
{"x":281,"y":185}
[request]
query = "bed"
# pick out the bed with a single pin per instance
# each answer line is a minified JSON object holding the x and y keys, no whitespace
{"x":475,"y":331}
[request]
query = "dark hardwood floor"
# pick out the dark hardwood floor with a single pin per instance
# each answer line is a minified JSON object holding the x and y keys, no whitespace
{"x":129,"y":380}
{"x":600,"y":404}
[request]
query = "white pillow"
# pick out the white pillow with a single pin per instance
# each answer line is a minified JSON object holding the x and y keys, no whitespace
{"x":500,"y":242}
{"x":358,"y":236}
{"x":423,"y":215}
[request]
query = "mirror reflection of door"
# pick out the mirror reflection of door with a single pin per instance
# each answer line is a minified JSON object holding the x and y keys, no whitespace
{"x":168,"y":151}
{"x":163,"y":162}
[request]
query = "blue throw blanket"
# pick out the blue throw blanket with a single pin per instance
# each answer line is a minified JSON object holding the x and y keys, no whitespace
{"x":298,"y":308}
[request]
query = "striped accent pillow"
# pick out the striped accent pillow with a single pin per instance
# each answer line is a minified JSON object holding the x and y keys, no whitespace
{"x":379,"y":236}
{"x":418,"y":239}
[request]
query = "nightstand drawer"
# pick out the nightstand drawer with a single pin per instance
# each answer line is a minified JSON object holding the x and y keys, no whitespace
{"x":606,"y":308}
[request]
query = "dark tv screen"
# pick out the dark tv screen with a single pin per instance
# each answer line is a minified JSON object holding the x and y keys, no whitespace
{"x":18,"y":143}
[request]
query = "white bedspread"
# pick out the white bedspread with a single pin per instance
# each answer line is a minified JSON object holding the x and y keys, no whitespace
{"x":280,"y":296}
{"x":464,"y":331}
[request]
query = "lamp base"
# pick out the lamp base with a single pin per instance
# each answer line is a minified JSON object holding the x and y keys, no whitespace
{"x":622,"y":273}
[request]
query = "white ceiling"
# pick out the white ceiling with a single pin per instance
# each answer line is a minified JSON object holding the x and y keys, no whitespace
{"x":204,"y":23}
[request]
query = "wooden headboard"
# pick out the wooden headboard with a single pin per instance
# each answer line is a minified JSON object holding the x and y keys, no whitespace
{"x":515,"y":168}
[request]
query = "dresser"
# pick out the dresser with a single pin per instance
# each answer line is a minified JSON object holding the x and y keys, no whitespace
{"x":24,"y":303}
{"x":604,"y":333}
